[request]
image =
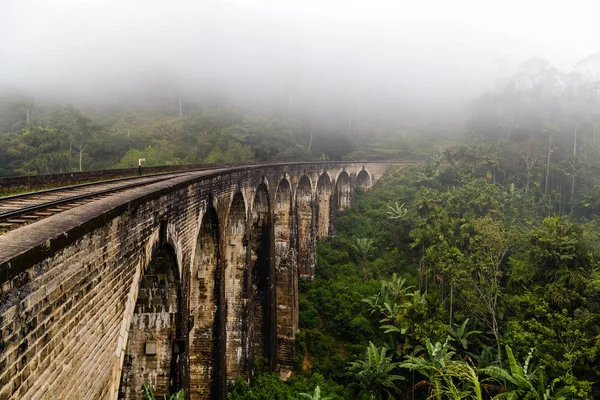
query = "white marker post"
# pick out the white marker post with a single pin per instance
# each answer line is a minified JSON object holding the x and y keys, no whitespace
{"x":140,"y":161}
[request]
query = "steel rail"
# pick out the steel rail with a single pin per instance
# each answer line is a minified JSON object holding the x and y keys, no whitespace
{"x":37,"y":207}
{"x":7,"y":218}
{"x":131,"y":177}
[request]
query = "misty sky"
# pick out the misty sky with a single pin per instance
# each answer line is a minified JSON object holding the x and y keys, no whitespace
{"x":428,"y":51}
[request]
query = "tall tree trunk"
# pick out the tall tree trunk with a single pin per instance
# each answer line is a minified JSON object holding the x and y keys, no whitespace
{"x":573,"y":167}
{"x":81,"y":149}
{"x":496,"y":332}
{"x":510,"y":126}
{"x":560,"y":198}
{"x":426,"y":278}
{"x":421,"y":273}
{"x":289,"y":108}
{"x":548,"y":163}
{"x":451,"y":298}
{"x":364,"y":271}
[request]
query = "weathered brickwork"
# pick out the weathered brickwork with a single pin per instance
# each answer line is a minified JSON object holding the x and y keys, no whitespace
{"x":305,"y":218}
{"x":202,"y":268}
{"x":152,"y":351}
{"x":261,"y":291}
{"x":286,"y":277}
{"x":236,"y":293}
{"x":204,"y":297}
{"x":323,"y":203}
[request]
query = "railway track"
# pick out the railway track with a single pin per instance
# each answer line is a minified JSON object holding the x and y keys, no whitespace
{"x":21,"y":209}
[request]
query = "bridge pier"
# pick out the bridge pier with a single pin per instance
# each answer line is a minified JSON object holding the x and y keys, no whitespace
{"x":261,"y":290}
{"x":204,"y":304}
{"x":236,"y":293}
{"x":323,"y":203}
{"x":305,"y":233}
{"x":286,"y":277}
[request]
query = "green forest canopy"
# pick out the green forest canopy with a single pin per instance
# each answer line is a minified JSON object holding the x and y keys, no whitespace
{"x":441,"y":284}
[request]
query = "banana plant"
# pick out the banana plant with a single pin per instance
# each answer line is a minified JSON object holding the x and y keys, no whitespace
{"x":461,"y":334}
{"x":431,"y":366}
{"x":148,"y":393}
{"x":445,"y":377}
{"x":397,"y":212}
{"x":315,"y":396}
{"x":375,"y":374}
{"x":522,"y":381}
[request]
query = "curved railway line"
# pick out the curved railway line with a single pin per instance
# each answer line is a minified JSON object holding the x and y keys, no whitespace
{"x":25,"y":208}
{"x":21,"y":209}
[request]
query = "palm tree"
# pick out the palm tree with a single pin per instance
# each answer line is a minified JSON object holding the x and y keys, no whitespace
{"x":374,"y":373}
{"x":363,"y":247}
{"x":315,"y":396}
{"x":397,"y":213}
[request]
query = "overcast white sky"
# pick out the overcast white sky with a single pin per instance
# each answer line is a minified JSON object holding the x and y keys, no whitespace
{"x":433,"y":50}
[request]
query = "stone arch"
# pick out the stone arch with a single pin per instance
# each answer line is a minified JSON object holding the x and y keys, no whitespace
{"x":304,"y":189}
{"x":282,"y":208}
{"x":363,"y":180}
{"x":153,"y":345}
{"x":236,"y":216}
{"x":304,"y":217}
{"x":286,"y":277}
{"x":283,"y":195}
{"x":343,"y":191}
{"x":261,"y":205}
{"x":236,"y":293}
{"x":170,"y":236}
{"x":261,"y":294}
{"x":323,"y":200}
{"x":205,"y":298}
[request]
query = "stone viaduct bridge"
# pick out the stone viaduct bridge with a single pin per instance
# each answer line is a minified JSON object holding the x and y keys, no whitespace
{"x":183,"y":283}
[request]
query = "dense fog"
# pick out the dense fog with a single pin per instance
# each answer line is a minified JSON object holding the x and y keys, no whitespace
{"x":379,"y":57}
{"x":98,"y":84}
